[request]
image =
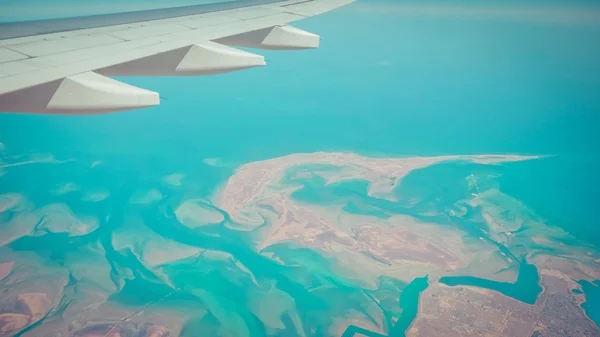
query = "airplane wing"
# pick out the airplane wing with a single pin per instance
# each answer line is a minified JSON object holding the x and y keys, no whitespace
{"x":62,"y":66}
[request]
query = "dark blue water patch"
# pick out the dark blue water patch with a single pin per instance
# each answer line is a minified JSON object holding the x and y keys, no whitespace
{"x":353,"y":330}
{"x":577,"y":292}
{"x":138,"y":291}
{"x":409,"y":303}
{"x":315,"y":189}
{"x":206,"y":323}
{"x":386,"y":298}
{"x":408,"y":306}
{"x":209,"y":325}
{"x":592,"y":299}
{"x":526,"y":289}
{"x":441,"y":185}
{"x":53,"y":246}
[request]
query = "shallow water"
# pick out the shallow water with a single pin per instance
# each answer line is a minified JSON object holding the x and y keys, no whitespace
{"x":409,"y":302}
{"x":526,"y":289}
{"x":592,"y":296}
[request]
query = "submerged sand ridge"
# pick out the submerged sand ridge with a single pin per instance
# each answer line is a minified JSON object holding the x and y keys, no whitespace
{"x":250,"y":181}
{"x":366,"y":247}
{"x":398,"y":246}
{"x":300,"y":245}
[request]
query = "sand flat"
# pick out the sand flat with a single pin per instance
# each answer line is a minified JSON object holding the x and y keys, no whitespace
{"x":5,"y":269}
{"x":250,"y":180}
{"x":397,"y":246}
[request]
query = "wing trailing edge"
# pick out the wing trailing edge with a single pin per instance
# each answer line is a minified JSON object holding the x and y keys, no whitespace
{"x":204,"y":58}
{"x":82,"y":94}
{"x":283,"y":37}
{"x":67,"y":72}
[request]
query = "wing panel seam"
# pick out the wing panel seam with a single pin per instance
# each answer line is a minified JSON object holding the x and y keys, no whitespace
{"x":18,"y":52}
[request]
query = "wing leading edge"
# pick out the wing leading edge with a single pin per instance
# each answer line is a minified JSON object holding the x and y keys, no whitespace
{"x":65,"y":69}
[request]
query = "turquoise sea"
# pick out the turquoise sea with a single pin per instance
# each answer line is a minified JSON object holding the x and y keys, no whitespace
{"x":390,"y":79}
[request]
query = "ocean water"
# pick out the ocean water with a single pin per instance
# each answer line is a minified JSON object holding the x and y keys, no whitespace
{"x":390,"y":79}
{"x":526,"y":289}
{"x":409,"y":302}
{"x":592,"y":295}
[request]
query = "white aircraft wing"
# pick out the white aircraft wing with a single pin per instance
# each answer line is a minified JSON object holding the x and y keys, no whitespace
{"x":62,"y":66}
